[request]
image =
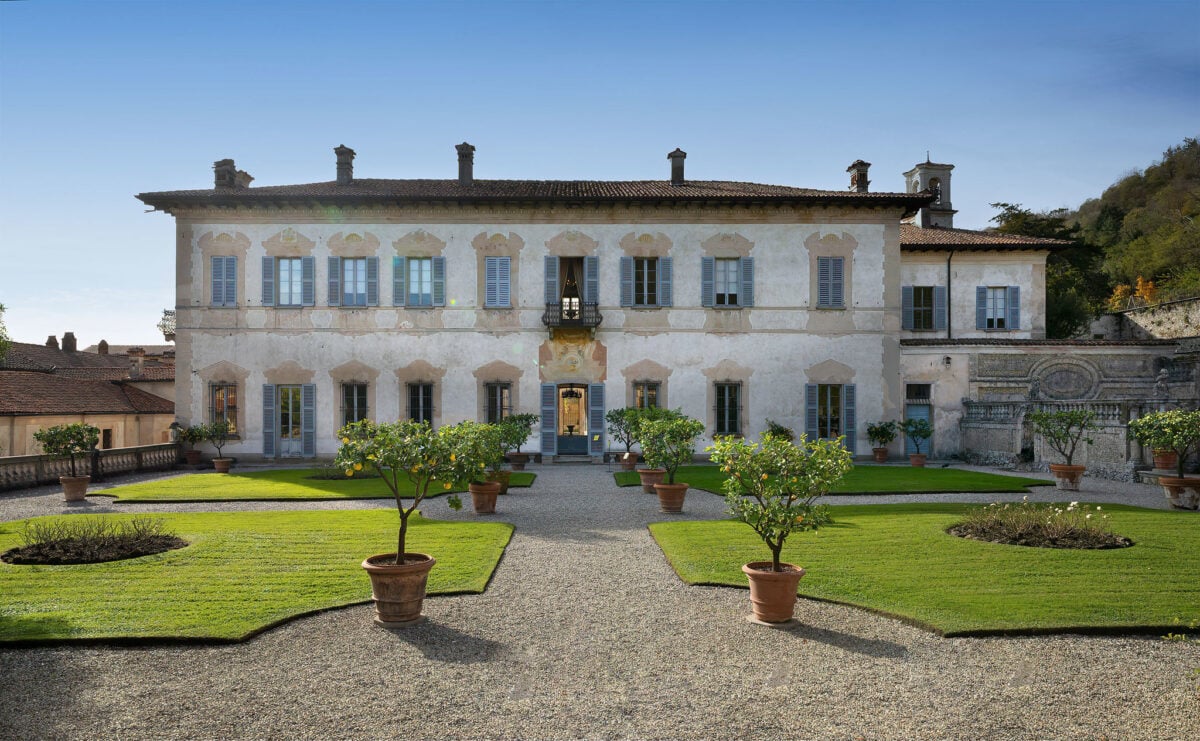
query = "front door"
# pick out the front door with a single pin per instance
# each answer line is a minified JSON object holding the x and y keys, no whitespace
{"x":291,"y":443}
{"x":917,"y":411}
{"x":572,"y":419}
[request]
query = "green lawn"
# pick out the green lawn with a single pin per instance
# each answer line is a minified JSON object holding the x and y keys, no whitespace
{"x":242,"y":573}
{"x":282,"y":484}
{"x":874,"y":480}
{"x":898,"y":560}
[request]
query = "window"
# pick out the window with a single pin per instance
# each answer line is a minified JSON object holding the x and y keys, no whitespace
{"x":918,"y":391}
{"x":496,"y":280}
{"x":419,"y":281}
{"x":728,"y":409}
{"x":420,"y":402}
{"x":997,"y":307}
{"x":223,"y":405}
{"x":106,"y":438}
{"x":224,"y":281}
{"x":923,"y":307}
{"x":645,"y":394}
{"x":645,"y":281}
{"x":499,"y":401}
{"x":726,"y":281}
{"x":354,"y":281}
{"x":354,"y":402}
{"x":288,"y":281}
{"x":830,"y":273}
{"x":830,"y":412}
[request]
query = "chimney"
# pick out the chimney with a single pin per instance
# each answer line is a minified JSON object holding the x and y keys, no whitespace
{"x":345,"y":164}
{"x":224,"y":174}
{"x":466,"y":163}
{"x":242,"y":179}
{"x":52,"y":341}
{"x":137,"y":358}
{"x":858,"y":176}
{"x":102,"y":348}
{"x":677,"y":157}
{"x":68,"y":343}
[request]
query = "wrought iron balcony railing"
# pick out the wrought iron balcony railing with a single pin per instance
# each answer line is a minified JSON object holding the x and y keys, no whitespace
{"x":585,"y":315}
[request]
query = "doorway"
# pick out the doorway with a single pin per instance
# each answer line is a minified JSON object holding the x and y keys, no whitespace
{"x":291,"y":442}
{"x":918,"y":405}
{"x":572,"y":419}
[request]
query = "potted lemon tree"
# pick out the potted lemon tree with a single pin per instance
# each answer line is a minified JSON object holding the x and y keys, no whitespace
{"x":668,"y":444}
{"x":881,"y":435}
{"x":1063,"y":430}
{"x":70,"y":441}
{"x":218,"y":433}
{"x":404,"y":450}
{"x":917,"y":430}
{"x":652,"y":474}
{"x":1179,"y":432}
{"x":518,"y":428}
{"x":622,"y":426}
{"x":476,"y":447}
{"x":772,"y":486}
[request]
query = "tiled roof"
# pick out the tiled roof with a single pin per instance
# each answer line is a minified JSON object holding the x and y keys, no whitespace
{"x":916,"y":238}
{"x":570,"y":191}
{"x":121,"y":350}
{"x":39,"y":357}
{"x":149,"y":373}
{"x":1035,"y":343}
{"x":29,"y":393}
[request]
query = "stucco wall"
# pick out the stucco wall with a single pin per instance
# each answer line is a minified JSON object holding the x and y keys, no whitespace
{"x":128,"y":430}
{"x":968,"y":270}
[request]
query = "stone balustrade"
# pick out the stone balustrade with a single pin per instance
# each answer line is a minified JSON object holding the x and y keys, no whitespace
{"x":22,"y":471}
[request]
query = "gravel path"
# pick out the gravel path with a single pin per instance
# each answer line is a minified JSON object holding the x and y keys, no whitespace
{"x":585,"y":632}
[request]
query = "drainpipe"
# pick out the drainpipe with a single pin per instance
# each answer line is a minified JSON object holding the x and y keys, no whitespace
{"x":949,"y":303}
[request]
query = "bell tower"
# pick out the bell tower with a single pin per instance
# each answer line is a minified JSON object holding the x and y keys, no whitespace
{"x":933,"y":177}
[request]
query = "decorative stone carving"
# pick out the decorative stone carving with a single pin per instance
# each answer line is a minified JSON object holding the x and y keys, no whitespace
{"x":573,"y":356}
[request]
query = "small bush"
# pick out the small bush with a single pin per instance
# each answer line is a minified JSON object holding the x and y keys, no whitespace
{"x":1039,"y":525}
{"x":91,"y":540}
{"x":774,"y":429}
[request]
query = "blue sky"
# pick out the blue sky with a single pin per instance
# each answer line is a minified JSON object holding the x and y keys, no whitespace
{"x":1039,"y":103}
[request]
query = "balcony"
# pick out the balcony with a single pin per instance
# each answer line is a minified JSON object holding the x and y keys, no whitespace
{"x":572,"y":314}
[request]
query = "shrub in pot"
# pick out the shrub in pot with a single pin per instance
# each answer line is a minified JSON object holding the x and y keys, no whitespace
{"x":517,"y":428}
{"x":1179,"y":432}
{"x":772,"y":486}
{"x":475,"y":448}
{"x":917,"y":430}
{"x":218,"y":434}
{"x":668,"y":444}
{"x":192,"y":435}
{"x":622,"y":426}
{"x":652,"y":474}
{"x":425,"y":457}
{"x":881,"y":435}
{"x":1063,"y":430}
{"x":70,"y":441}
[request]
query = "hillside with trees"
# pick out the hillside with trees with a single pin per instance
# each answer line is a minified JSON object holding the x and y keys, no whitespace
{"x":1137,"y":244}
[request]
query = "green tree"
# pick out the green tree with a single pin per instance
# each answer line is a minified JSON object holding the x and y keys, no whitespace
{"x":5,"y":341}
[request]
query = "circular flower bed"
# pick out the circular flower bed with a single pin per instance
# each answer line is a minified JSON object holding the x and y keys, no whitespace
{"x":1039,"y":526}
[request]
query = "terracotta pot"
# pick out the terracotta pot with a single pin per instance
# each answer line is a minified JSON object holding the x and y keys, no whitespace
{"x":650,"y":477}
{"x":222,"y":464}
{"x":917,"y":459}
{"x":192,"y":457}
{"x":75,"y":487}
{"x":1182,"y":493}
{"x":772,"y":593}
{"x":1166,"y":460}
{"x":670,"y":497}
{"x":629,"y":462}
{"x":501,"y":477}
{"x":518,"y":461}
{"x":1066,"y":477}
{"x":483,"y":496}
{"x":881,"y":454}
{"x":398,"y":591}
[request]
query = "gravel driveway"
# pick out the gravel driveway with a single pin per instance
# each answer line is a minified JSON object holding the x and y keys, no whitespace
{"x":585,"y":632}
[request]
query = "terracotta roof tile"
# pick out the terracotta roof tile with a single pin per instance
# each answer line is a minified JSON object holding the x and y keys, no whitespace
{"x":28,"y":393}
{"x":915,"y":238}
{"x":985,"y":341}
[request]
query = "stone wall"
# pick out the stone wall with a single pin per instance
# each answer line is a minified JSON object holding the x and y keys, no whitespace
{"x":1171,"y":320}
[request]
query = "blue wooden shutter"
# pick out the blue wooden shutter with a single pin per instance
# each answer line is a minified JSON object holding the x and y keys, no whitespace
{"x":906,"y":307}
{"x":335,"y":281}
{"x":231,"y":281}
{"x":549,"y":419}
{"x":596,"y":418}
{"x":746,"y":298}
{"x":824,"y":297}
{"x":626,"y":281}
{"x":503,"y":276}
{"x":940,"y":307}
{"x":308,"y":420}
{"x":491,"y":281}
{"x":550,"y":272}
{"x":217,"y":265}
{"x":591,"y":279}
{"x":439,"y":281}
{"x":372,"y":281}
{"x":837,"y":281}
{"x":810,"y":410}
{"x":268,"y":426}
{"x":1013,"y":320}
{"x":398,"y":288}
{"x":849,"y":418}
{"x":664,"y":282}
{"x":708,"y":270}
{"x":981,"y":307}
{"x":308,"y":281}
{"x":268,"y":281}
